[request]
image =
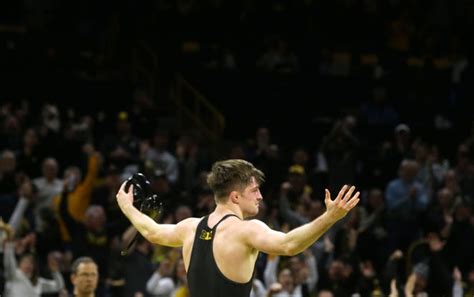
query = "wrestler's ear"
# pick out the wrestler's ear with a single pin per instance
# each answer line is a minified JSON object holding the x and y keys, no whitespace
{"x":234,"y":197}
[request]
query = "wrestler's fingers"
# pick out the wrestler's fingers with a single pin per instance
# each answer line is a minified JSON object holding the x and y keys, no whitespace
{"x":348,"y":194}
{"x":341,"y":193}
{"x":327,"y":196}
{"x":130,"y":189}
{"x":353,"y":202}
{"x":122,"y":186}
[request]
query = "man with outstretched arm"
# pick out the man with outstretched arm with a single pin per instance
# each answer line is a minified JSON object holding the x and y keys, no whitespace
{"x":220,"y":249}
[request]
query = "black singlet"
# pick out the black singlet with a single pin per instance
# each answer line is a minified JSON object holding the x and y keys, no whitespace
{"x":204,"y":277}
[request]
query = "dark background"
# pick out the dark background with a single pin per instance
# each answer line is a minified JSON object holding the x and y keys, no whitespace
{"x":80,"y":54}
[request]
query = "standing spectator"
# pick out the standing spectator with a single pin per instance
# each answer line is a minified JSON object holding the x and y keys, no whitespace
{"x":30,"y":155}
{"x":340,"y":149}
{"x":90,"y":237}
{"x":439,"y":216}
{"x":121,"y":147}
{"x":372,"y":239}
{"x":425,"y":174}
{"x":400,"y":147}
{"x":78,"y":189}
{"x":296,"y":189}
{"x":137,"y":268}
{"x":161,"y":157}
{"x":266,"y":155}
{"x":49,"y":186}
{"x":460,"y":243}
{"x":22,"y":278}
{"x":406,"y":200}
{"x":192,"y":159}
{"x":465,"y":172}
{"x":378,"y":116}
{"x":8,"y":167}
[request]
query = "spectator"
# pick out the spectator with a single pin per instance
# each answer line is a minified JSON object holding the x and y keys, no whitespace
{"x":372,"y":229}
{"x":84,"y":277}
{"x":22,"y":278}
{"x":137,"y":268}
{"x":341,"y":147}
{"x":121,"y":148}
{"x":49,"y":186}
{"x":8,"y":174}
{"x":30,"y":154}
{"x":406,"y":199}
{"x":160,"y":156}
{"x":161,"y":283}
{"x":77,"y":190}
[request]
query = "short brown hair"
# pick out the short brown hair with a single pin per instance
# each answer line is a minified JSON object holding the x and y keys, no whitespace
{"x":233,"y":174}
{"x":79,"y":261}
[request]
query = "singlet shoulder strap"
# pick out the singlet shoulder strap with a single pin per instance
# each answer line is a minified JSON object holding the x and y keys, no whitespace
{"x":223,"y":218}
{"x":203,"y":221}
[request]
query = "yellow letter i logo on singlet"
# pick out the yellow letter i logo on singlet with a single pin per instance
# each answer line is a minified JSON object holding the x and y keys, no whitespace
{"x":205,"y":235}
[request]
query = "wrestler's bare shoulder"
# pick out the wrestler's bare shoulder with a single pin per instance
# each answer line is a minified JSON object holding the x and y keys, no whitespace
{"x":254,"y":223}
{"x":249,"y":226}
{"x":189,"y":223}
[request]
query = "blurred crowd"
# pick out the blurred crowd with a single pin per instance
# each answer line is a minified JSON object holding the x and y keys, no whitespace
{"x":413,"y":233}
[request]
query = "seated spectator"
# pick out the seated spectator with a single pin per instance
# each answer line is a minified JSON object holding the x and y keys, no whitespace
{"x":339,"y":278}
{"x":161,"y":283}
{"x":297,"y":278}
{"x":84,"y":277}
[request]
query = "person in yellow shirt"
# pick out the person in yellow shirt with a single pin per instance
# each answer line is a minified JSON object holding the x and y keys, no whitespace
{"x":78,"y":190}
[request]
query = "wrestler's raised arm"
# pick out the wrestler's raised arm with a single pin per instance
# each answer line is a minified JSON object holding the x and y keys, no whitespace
{"x":259,"y":236}
{"x":163,"y":234}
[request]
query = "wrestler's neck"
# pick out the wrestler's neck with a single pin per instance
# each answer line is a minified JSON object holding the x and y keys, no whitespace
{"x":223,"y":209}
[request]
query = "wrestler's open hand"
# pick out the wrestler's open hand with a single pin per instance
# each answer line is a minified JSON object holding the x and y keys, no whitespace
{"x":344,"y":202}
